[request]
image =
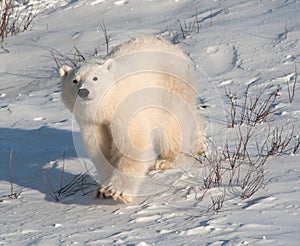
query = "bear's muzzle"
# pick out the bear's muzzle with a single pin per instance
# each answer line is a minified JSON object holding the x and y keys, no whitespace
{"x":83,"y":93}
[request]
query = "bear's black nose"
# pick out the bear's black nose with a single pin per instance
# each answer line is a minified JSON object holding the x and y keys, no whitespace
{"x":83,"y":93}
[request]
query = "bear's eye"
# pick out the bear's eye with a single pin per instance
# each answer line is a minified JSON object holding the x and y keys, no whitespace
{"x":95,"y":78}
{"x":75,"y":81}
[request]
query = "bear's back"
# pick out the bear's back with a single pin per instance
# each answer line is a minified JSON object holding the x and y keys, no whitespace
{"x":146,"y":43}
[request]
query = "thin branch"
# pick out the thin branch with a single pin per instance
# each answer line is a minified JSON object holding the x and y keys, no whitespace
{"x":291,"y":92}
{"x":106,"y":37}
{"x":50,"y":188}
{"x":11,"y":174}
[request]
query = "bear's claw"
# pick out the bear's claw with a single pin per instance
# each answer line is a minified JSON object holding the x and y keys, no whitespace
{"x":161,"y":165}
{"x":108,"y":192}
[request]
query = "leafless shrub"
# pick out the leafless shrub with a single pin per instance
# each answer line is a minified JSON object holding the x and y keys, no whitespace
{"x":212,"y":169}
{"x":190,"y":27}
{"x":264,"y":109}
{"x":280,"y":142}
{"x":241,"y":162}
{"x":252,"y":177}
{"x":73,"y":59}
{"x":237,"y":156}
{"x":291,"y":92}
{"x":13,"y":20}
{"x":252,"y":111}
{"x":253,"y":180}
{"x":80,"y":183}
{"x":233,"y":166}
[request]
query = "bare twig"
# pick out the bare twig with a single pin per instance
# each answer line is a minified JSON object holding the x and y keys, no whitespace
{"x":285,"y":30}
{"x":254,"y":178}
{"x":12,"y":194}
{"x":50,"y":188}
{"x":5,"y":50}
{"x":78,"y":57}
{"x":297,"y":145}
{"x":62,"y":173}
{"x":233,"y":106}
{"x":291,"y":92}
{"x":211,"y":17}
{"x":58,"y":64}
{"x":182,"y":29}
{"x":106,"y":37}
{"x":244,"y":112}
{"x":73,"y":60}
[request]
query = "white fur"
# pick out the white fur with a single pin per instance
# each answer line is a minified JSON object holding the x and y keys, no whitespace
{"x":138,"y":114}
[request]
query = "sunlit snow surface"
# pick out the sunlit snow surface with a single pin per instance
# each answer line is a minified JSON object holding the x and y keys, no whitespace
{"x":238,"y":43}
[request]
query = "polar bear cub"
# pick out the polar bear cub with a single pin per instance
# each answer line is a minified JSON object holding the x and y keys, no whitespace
{"x":136,"y":112}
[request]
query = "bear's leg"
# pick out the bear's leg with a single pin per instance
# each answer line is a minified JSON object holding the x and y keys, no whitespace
{"x":168,"y":154}
{"x":125,"y":180}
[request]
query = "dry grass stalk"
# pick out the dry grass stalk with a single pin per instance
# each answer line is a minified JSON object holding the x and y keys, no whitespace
{"x":106,"y":37}
{"x":12,"y":193}
{"x":291,"y":92}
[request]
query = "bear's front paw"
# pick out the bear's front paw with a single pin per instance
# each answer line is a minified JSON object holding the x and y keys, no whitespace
{"x":106,"y":192}
{"x":161,"y":165}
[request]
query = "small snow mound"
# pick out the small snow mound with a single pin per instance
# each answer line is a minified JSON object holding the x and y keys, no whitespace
{"x":146,"y":219}
{"x":225,"y":82}
{"x":121,"y":2}
{"x":97,"y":2}
{"x":57,"y":225}
{"x":142,"y":244}
{"x":39,"y":118}
{"x":212,"y":50}
{"x":217,"y":60}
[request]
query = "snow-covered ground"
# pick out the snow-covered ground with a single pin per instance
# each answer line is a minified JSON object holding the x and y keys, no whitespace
{"x":238,"y":43}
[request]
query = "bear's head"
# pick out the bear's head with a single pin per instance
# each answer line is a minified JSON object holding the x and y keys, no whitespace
{"x":86,"y":83}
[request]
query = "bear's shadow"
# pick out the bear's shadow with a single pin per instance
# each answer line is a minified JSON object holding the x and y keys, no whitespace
{"x":35,"y":154}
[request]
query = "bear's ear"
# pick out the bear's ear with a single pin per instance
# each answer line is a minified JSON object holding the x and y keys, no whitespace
{"x":110,"y":65}
{"x":64,"y":70}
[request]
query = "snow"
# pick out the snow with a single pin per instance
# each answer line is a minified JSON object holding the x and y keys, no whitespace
{"x":239,"y":43}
